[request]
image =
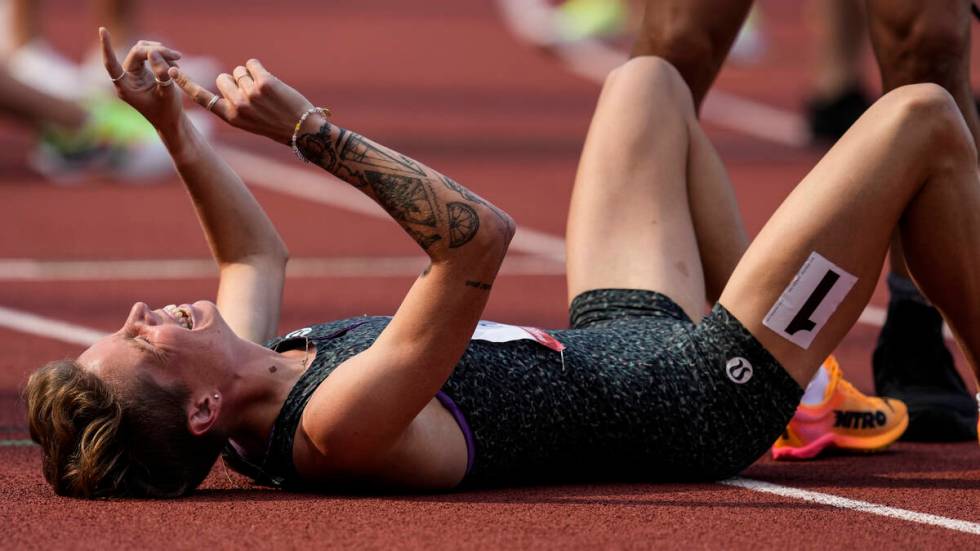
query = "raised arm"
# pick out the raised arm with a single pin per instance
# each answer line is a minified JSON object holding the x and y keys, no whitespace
{"x":372,"y":398}
{"x":250,"y":254}
{"x":368,"y":402}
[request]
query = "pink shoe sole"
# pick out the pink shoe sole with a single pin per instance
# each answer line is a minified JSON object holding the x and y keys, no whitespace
{"x":806,"y":452}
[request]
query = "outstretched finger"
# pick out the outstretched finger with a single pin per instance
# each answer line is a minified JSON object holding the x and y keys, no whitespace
{"x":201,"y":96}
{"x":112,"y":65}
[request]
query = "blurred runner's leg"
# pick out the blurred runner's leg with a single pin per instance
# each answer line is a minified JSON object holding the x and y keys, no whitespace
{"x":923,"y":42}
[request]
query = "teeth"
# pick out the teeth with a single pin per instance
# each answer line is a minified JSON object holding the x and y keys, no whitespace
{"x":182,"y":317}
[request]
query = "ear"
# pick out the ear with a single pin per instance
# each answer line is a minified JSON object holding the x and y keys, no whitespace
{"x":203,"y":413}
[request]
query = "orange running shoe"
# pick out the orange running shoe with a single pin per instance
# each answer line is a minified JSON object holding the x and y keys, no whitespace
{"x":846,"y":419}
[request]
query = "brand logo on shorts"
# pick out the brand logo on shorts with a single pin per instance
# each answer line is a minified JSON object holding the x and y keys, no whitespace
{"x":739,"y":370}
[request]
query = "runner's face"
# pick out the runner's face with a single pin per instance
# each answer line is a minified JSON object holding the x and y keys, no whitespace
{"x":188,"y":344}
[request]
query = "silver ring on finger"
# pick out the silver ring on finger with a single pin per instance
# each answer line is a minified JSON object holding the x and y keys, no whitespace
{"x":214,"y":100}
{"x":164,"y":83}
{"x":118,"y":78}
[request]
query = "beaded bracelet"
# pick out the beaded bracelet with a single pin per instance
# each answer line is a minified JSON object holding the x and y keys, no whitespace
{"x":323,"y":111}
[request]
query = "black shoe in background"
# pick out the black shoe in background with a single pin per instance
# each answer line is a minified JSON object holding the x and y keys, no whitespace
{"x":911,"y":363}
{"x":830,"y":118}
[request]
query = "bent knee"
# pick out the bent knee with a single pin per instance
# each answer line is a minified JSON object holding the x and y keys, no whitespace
{"x":931,"y":112}
{"x":923,"y":99}
{"x":652,"y":76}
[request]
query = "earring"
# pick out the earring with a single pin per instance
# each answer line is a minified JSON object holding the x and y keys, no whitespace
{"x":215,"y":396}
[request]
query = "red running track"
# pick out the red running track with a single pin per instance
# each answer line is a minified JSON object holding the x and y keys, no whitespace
{"x":446,"y":82}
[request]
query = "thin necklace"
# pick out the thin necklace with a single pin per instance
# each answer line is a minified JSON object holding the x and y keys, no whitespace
{"x":306,"y":357}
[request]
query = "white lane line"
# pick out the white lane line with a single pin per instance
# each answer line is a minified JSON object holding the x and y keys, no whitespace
{"x":27,"y":269}
{"x":755,"y":119}
{"x":323,"y":188}
{"x":15,"y":443}
{"x":854,"y":505}
{"x":47,"y":327}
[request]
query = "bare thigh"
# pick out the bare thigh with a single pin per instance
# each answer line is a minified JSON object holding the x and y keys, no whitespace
{"x":652,"y":206}
{"x":629,"y":223}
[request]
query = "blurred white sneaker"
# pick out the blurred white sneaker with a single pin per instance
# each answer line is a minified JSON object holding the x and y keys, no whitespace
{"x":40,"y":66}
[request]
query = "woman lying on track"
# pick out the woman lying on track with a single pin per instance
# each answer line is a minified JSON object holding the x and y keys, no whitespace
{"x":647,"y":386}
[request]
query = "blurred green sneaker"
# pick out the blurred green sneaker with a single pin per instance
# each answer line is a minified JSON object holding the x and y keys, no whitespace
{"x":116,"y":142}
{"x":583,"y":19}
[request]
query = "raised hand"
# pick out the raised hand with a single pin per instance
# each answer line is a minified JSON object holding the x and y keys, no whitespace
{"x":150,"y":89}
{"x":252,"y":99}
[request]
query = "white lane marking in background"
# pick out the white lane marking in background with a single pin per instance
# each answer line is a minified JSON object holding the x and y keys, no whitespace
{"x":47,"y":327}
{"x":854,"y":505}
{"x":15,"y":443}
{"x":755,"y":119}
{"x":328,"y":190}
{"x":27,"y":269}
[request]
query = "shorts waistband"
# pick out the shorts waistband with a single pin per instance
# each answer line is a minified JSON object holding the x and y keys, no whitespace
{"x":599,"y":306}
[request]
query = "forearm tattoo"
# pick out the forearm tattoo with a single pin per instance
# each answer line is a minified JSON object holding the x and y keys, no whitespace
{"x":415,"y":196}
{"x":479,"y":285}
{"x":473,"y":198}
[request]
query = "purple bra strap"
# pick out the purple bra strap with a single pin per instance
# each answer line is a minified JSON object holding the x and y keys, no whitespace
{"x":449,"y":404}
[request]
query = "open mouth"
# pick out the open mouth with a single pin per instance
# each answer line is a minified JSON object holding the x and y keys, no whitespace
{"x":180,"y":314}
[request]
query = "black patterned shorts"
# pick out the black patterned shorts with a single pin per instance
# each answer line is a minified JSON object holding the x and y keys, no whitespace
{"x":722,"y":398}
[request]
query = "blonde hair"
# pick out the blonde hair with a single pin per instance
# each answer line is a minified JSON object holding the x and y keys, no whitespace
{"x":102,"y":441}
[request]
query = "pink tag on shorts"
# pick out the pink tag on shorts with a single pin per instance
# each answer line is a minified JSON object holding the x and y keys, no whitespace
{"x":544,"y":338}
